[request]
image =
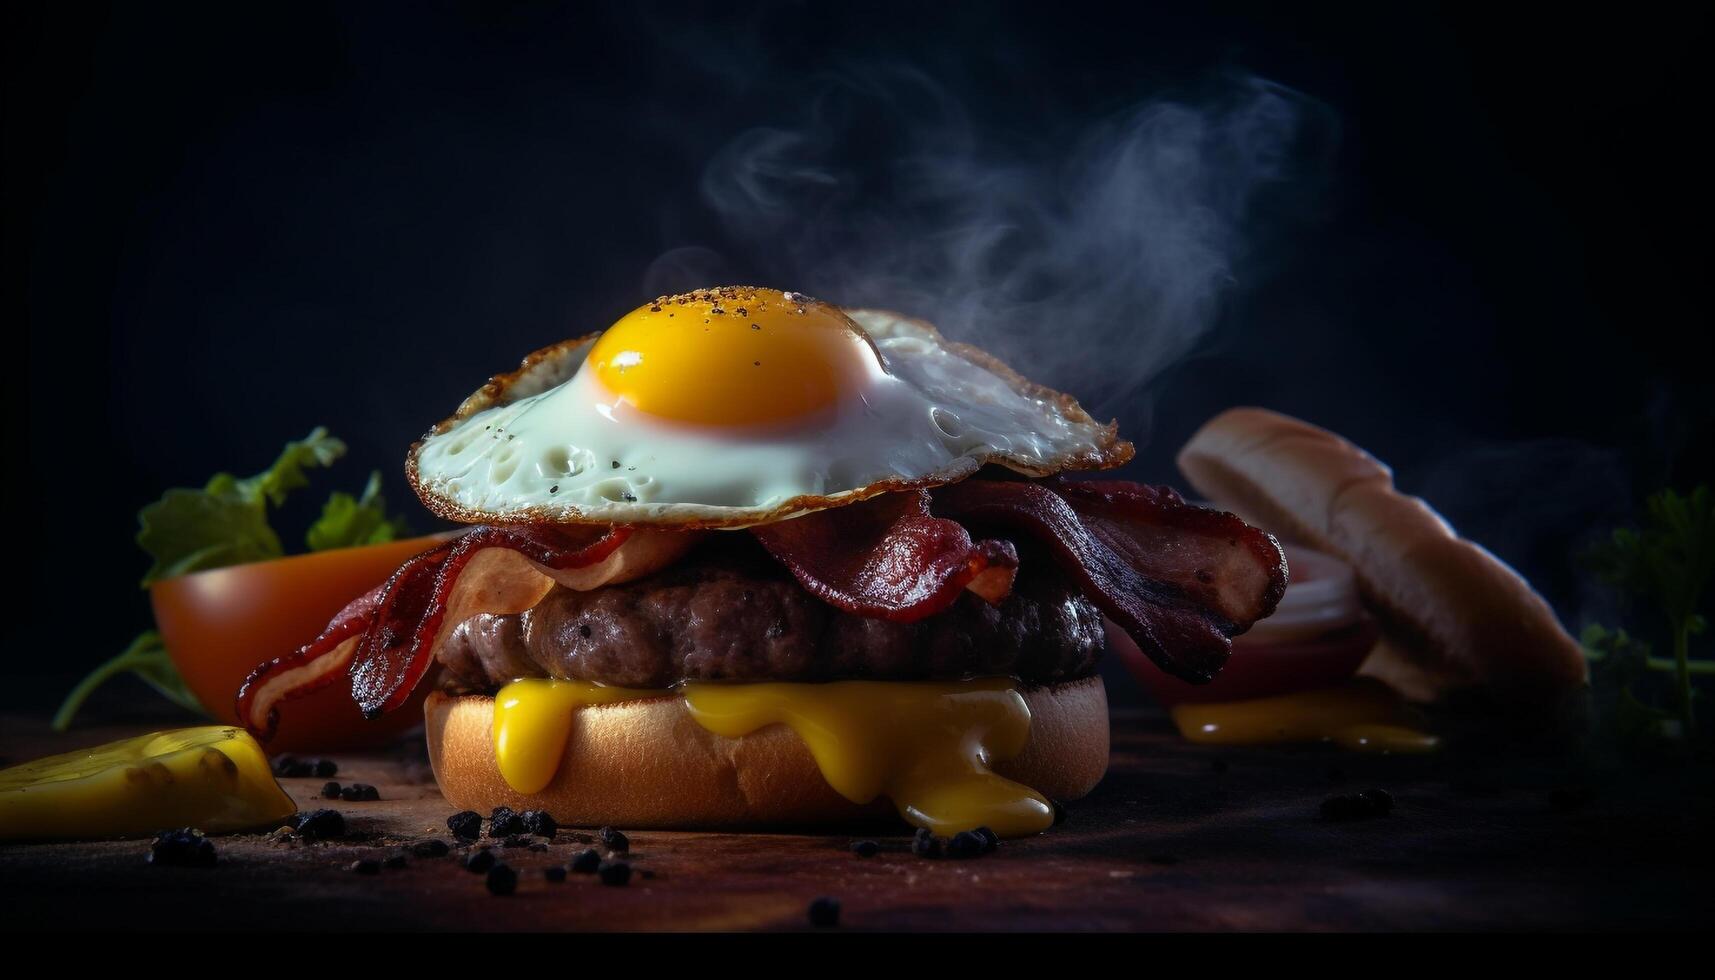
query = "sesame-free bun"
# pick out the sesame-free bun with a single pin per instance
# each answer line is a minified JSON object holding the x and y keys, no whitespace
{"x":647,"y":763}
{"x":1455,"y":617}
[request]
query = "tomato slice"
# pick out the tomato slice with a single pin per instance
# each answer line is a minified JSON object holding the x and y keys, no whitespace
{"x":219,"y":624}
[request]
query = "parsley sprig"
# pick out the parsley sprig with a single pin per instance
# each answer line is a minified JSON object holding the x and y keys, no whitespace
{"x":1668,"y":562}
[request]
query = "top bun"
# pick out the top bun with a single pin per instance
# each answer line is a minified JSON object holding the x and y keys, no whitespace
{"x":1455,"y":616}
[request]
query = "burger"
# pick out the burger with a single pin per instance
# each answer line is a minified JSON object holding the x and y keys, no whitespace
{"x":748,"y":559}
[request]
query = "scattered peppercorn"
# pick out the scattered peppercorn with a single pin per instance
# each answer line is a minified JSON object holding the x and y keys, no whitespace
{"x":502,"y":880}
{"x":586,"y":861}
{"x":554,"y":872}
{"x":825,"y":912}
{"x":614,"y":872}
{"x":479,"y":861}
{"x":865,"y":848}
{"x":964,"y":844}
{"x":503,"y":823}
{"x":1380,"y":799}
{"x":326,"y":768}
{"x":330,"y":790}
{"x":321,"y":825}
{"x":430,"y":848}
{"x":292,"y":767}
{"x":182,"y":848}
{"x":613,"y":840}
{"x":359,"y":793}
{"x":465,"y":825}
{"x":991,"y":840}
{"x":394,"y":861}
{"x":516,"y":840}
{"x":540,"y":823}
{"x":365,"y":866}
{"x":925,"y":844}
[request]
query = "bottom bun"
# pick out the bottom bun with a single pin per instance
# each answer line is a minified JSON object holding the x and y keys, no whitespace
{"x":647,"y":763}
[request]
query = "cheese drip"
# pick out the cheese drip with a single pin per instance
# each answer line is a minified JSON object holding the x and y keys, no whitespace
{"x":924,"y":745}
{"x":533,"y":719}
{"x":1364,"y":715}
{"x":215,"y":778}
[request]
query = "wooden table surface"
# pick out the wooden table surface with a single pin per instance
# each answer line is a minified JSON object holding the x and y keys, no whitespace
{"x":1176,"y":837}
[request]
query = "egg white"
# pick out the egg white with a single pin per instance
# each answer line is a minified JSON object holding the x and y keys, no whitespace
{"x":554,"y":446}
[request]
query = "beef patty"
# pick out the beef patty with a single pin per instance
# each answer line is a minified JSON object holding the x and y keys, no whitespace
{"x":730,"y":612}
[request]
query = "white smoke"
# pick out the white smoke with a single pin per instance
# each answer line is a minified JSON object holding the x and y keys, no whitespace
{"x":1092,"y":259}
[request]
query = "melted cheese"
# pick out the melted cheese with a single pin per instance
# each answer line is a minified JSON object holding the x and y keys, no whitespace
{"x":533,"y":719}
{"x":214,"y":778}
{"x":1363,"y":715}
{"x":926,"y":746}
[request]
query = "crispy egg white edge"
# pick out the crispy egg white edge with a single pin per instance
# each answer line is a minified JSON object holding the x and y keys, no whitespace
{"x":1093,"y":445}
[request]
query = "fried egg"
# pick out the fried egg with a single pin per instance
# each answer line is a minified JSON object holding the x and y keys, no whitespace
{"x":737,"y":406}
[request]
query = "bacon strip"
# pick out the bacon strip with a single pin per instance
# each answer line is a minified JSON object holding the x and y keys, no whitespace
{"x":889,"y":558}
{"x":386,"y":640}
{"x":1180,"y":580}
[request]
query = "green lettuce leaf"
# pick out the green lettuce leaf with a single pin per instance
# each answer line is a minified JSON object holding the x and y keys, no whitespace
{"x":226,"y":522}
{"x":349,"y":522}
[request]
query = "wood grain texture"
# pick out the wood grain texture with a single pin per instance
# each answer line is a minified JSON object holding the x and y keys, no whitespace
{"x":1177,"y":837}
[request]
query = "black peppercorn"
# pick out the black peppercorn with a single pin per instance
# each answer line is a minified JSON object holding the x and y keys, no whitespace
{"x":479,"y":861}
{"x":321,"y":825}
{"x":330,"y":790}
{"x":540,"y":823}
{"x":465,"y":825}
{"x":613,"y":840}
{"x":1380,"y":800}
{"x":365,"y":866}
{"x":865,"y":848}
{"x":586,"y":861}
{"x":182,"y":848}
{"x":991,"y":840}
{"x":502,"y":880}
{"x":430,"y":848}
{"x":925,"y":844}
{"x":964,"y":844}
{"x":326,"y":768}
{"x":394,"y":861}
{"x":554,"y":872}
{"x":503,"y":823}
{"x":614,"y":872}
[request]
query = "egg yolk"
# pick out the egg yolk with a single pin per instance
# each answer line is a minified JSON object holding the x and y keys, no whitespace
{"x":734,"y":356}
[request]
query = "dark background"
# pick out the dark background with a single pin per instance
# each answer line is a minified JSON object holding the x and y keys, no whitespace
{"x":225,"y":224}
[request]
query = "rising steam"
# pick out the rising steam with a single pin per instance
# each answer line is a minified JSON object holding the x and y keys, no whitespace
{"x":1092,"y":258}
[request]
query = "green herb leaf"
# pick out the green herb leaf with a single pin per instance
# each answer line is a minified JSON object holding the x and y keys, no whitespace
{"x":349,"y":522}
{"x":1668,"y":562}
{"x":147,"y":658}
{"x":226,"y":522}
